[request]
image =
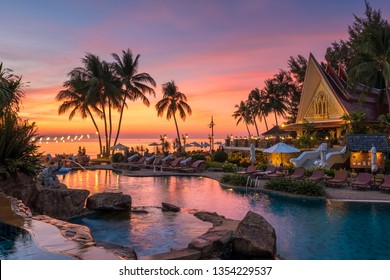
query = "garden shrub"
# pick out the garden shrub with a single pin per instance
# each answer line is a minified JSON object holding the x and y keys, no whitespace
{"x":225,"y":166}
{"x":196,"y":157}
{"x":118,"y":157}
{"x":300,"y":187}
{"x":234,"y":179}
{"x":220,"y":156}
{"x":235,"y":157}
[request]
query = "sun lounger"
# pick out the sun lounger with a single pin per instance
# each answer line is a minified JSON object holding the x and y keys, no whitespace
{"x":385,"y":186}
{"x":362,"y":181}
{"x":141,"y":160}
{"x":174,"y":164}
{"x":133,"y":158}
{"x":299,"y":173}
{"x":340,"y":178}
{"x":317,"y":175}
{"x":196,"y":166}
{"x":251,"y":169}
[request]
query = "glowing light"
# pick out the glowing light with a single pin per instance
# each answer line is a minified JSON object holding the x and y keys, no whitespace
{"x":47,"y":142}
{"x":47,"y":138}
{"x":62,"y":138}
{"x":33,"y":139}
{"x":88,"y":136}
{"x":67,"y":138}
{"x":55,"y":138}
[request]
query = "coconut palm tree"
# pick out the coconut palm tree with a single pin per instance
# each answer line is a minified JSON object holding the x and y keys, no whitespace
{"x":173,"y":101}
{"x":73,"y":98}
{"x":372,"y":62}
{"x":135,"y":84}
{"x":103,"y":90}
{"x":259,"y":106}
{"x":275,"y":99}
{"x":242,"y":114}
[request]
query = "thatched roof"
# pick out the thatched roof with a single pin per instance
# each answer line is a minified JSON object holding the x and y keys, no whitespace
{"x":276,"y":130}
{"x":364,"y":142}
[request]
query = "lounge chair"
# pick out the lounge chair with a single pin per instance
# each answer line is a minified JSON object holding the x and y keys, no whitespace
{"x":299,"y":173}
{"x":133,"y":158}
{"x":140,"y":160}
{"x":317,"y":175}
{"x":362,"y":181}
{"x":196,"y":166}
{"x":385,"y":186}
{"x":251,"y":169}
{"x":185,"y":162}
{"x":270,"y":170}
{"x":340,"y":178}
{"x":174,"y":164}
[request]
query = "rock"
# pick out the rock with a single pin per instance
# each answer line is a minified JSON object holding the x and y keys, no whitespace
{"x":59,"y":203}
{"x":254,"y":238}
{"x":48,"y":177}
{"x":216,"y":242}
{"x":20,"y":186}
{"x":109,"y":201}
{"x":213,"y":218}
{"x":124,"y":252}
{"x":167,"y":207}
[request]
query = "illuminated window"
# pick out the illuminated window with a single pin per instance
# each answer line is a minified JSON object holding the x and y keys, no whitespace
{"x":321,"y":105}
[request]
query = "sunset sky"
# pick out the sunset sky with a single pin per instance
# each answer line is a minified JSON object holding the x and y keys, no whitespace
{"x":215,"y":51}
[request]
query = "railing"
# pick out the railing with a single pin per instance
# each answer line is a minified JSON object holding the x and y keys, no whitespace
{"x":309,"y":155}
{"x":336,"y":157}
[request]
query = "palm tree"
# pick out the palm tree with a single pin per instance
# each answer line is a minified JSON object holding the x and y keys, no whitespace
{"x":372,"y":62}
{"x":173,"y":101}
{"x":103,"y":90}
{"x":275,"y":98}
{"x":10,"y":89}
{"x":135,"y":84}
{"x":73,"y":97}
{"x":242,"y":114}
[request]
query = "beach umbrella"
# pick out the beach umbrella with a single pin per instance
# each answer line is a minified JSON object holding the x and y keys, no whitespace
{"x":252,"y":153}
{"x":120,"y":147}
{"x":374,"y":166}
{"x":205,"y":145}
{"x":196,"y":144}
{"x":281,"y":148}
{"x":188,"y":145}
{"x":218,"y":143}
{"x":154,"y":144}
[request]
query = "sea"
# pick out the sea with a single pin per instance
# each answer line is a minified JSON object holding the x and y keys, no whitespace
{"x":72,"y":146}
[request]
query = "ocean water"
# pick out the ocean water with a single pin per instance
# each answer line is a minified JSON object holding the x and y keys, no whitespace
{"x":71,"y":146}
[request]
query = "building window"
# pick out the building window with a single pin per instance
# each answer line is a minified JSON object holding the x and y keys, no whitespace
{"x":321,"y":106}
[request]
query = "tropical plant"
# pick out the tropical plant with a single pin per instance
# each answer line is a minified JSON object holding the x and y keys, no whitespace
{"x":243,"y":114}
{"x":171,"y":102}
{"x":299,"y":187}
{"x":219,"y":156}
{"x":234,"y":179}
{"x":274,"y":98}
{"x":10,"y":90}
{"x":135,"y":84}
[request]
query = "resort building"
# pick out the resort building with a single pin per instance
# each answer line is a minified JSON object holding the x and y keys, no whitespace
{"x":325,"y":100}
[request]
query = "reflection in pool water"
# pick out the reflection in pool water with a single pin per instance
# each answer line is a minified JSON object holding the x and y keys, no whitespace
{"x":305,"y":230}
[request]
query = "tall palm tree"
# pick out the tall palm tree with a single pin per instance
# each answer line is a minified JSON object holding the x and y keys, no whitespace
{"x":73,"y":98}
{"x":173,"y":101}
{"x":275,"y":98}
{"x":103,"y":90}
{"x":372,"y":62}
{"x":135,"y":84}
{"x":259,"y":106}
{"x":242,"y":114}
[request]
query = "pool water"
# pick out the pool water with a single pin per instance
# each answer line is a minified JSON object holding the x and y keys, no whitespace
{"x":18,"y":244}
{"x":307,"y":230}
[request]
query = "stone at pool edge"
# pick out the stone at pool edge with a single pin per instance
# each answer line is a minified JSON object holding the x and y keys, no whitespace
{"x":167,"y":207}
{"x":254,"y":238}
{"x":109,"y":201}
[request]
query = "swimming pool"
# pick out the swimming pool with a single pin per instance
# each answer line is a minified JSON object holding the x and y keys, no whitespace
{"x":305,"y":230}
{"x":17,"y":244}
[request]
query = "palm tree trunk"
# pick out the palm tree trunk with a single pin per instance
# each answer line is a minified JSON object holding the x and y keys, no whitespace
{"x":257,"y":129}
{"x":387,"y":93}
{"x":247,"y":128}
{"x":266,"y":124}
{"x":97,"y":129}
{"x":178,"y":134}
{"x":107,"y":152}
{"x":120,"y":121}
{"x":110,"y":124}
{"x":276,"y":119}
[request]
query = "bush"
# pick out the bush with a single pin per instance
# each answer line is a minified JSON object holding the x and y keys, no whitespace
{"x":220,"y":156}
{"x":118,"y":157}
{"x":234,"y":179}
{"x":235,"y":157}
{"x":300,"y":187}
{"x":226,"y":166}
{"x":18,"y":149}
{"x":198,"y":157}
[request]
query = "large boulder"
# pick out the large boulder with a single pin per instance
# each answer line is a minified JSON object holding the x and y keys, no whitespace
{"x":20,"y":186}
{"x":254,"y":238}
{"x":109,"y":201}
{"x":60,"y":203}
